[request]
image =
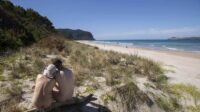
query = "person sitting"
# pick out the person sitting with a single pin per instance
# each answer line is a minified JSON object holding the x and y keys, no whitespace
{"x":43,"y":95}
{"x":64,"y":88}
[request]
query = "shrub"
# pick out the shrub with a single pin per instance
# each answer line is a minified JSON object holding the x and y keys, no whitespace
{"x":50,"y":43}
{"x":168,"y":104}
{"x":130,"y":95}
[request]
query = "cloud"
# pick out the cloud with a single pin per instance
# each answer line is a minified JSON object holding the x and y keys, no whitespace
{"x":156,"y":32}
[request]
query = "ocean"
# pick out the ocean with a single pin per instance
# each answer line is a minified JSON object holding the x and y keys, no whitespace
{"x":172,"y":45}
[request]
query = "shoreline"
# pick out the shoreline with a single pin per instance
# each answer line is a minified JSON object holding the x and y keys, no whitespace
{"x":182,"y":67}
{"x":179,"y":53}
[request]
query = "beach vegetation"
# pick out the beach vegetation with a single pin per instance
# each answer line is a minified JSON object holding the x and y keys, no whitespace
{"x":86,"y":62}
{"x":89,"y":90}
{"x":114,"y":66}
{"x":19,"y":70}
{"x":180,"y":89}
{"x":112,"y":79}
{"x":114,"y":58}
{"x":12,"y":106}
{"x":38,"y":66}
{"x":1,"y":67}
{"x":129,"y":95}
{"x":81,"y":75}
{"x":107,"y":97}
{"x":14,"y":89}
{"x":53,"y":44}
{"x":168,"y":104}
{"x":2,"y":78}
{"x":194,"y":108}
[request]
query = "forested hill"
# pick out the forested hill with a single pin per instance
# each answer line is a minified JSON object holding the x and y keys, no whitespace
{"x":76,"y":34}
{"x":21,"y":27}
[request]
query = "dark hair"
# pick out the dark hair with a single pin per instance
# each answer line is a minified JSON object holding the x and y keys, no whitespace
{"x":56,"y":61}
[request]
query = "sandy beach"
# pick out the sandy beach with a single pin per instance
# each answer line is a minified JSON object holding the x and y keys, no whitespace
{"x":183,"y":67}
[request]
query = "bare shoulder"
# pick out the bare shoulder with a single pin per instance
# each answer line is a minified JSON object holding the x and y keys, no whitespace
{"x":39,"y":76}
{"x":68,"y":71}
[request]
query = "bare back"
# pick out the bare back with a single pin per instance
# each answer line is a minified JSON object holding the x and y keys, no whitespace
{"x":65,"y":85}
{"x":42,"y":96}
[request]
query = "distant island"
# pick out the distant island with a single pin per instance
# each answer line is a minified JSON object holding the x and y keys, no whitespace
{"x":184,"y":38}
{"x":76,"y":34}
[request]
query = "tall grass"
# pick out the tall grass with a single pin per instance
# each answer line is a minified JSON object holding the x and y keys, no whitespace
{"x":194,"y":108}
{"x":130,"y":95}
{"x":114,"y":66}
{"x":180,"y":89}
{"x":11,"y":106}
{"x":88,"y":62}
{"x":38,"y":66}
{"x":14,"y":89}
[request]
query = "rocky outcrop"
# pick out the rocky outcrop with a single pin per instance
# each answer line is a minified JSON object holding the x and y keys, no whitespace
{"x":76,"y":34}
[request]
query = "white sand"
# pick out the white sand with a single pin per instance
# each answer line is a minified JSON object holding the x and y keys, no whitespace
{"x":186,"y":66}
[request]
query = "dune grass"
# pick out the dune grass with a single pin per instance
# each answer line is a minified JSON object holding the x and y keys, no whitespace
{"x":2,"y":78}
{"x":168,"y":104}
{"x":107,"y":97}
{"x":11,"y":106}
{"x":86,"y":63}
{"x":181,"y":96}
{"x":194,"y":108}
{"x":180,"y":89}
{"x":112,"y":65}
{"x":130,"y":95}
{"x":1,"y":69}
{"x":13,"y":89}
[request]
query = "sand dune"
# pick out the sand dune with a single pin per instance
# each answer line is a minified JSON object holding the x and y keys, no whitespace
{"x":183,"y":67}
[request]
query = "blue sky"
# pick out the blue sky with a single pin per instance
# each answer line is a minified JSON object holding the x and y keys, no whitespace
{"x":122,"y":19}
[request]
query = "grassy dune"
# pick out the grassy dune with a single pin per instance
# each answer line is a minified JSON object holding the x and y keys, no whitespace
{"x":110,"y":75}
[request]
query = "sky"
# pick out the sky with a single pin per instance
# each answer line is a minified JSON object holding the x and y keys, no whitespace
{"x":122,"y":19}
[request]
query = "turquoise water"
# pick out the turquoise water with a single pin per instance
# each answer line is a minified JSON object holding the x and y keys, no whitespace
{"x":174,"y":45}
